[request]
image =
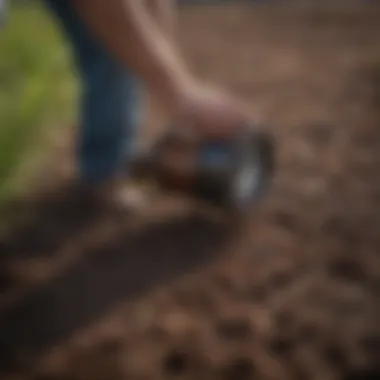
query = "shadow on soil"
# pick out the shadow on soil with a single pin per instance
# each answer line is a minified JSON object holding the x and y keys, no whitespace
{"x":50,"y":223}
{"x":113,"y":273}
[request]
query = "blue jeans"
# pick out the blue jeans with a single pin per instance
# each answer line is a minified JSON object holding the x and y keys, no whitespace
{"x":110,"y":107}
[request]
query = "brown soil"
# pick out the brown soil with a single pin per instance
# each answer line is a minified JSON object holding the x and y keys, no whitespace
{"x":294,"y":296}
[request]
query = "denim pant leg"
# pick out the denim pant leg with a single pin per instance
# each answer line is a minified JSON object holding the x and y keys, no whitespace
{"x":110,"y":106}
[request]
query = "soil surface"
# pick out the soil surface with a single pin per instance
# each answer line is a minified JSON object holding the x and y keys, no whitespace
{"x":173,"y":295}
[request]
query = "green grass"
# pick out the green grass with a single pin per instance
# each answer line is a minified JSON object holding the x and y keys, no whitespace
{"x":37,"y":93}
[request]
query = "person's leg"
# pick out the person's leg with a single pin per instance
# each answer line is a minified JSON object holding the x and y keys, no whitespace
{"x":110,"y":102}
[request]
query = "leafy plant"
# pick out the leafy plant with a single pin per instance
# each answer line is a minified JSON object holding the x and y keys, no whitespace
{"x":37,"y":91}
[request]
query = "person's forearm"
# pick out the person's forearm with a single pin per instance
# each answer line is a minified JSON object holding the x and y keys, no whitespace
{"x":165,"y":13}
{"x":126,"y":27}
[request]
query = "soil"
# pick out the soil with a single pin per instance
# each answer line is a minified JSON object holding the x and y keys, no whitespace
{"x":175,"y":295}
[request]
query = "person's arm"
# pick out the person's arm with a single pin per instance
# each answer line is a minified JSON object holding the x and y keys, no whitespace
{"x":127,"y":28}
{"x":165,"y":14}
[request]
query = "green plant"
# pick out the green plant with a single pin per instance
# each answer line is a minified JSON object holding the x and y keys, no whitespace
{"x":37,"y":92}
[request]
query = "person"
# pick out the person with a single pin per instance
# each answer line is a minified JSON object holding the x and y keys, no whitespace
{"x":122,"y":47}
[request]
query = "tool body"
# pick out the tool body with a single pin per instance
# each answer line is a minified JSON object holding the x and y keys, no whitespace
{"x":232,"y":175}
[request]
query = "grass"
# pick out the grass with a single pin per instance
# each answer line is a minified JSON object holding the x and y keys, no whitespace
{"x":37,"y":93}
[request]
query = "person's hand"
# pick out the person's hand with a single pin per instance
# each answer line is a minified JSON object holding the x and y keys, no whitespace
{"x":212,"y":112}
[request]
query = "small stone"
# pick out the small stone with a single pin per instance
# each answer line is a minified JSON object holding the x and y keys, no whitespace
{"x":234,"y":329}
{"x":239,"y":369}
{"x":347,"y":269}
{"x":175,"y":363}
{"x":281,"y":345}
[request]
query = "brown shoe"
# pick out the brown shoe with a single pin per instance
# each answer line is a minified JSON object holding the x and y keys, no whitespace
{"x":115,"y":196}
{"x":83,"y":201}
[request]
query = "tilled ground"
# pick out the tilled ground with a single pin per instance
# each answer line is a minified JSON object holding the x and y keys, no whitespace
{"x":294,"y":296}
